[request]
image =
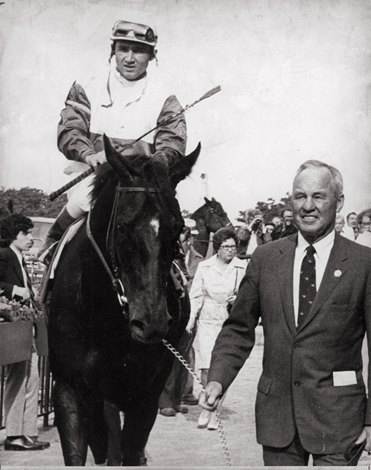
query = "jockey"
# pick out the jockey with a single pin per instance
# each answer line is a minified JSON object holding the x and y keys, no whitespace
{"x":123,"y":102}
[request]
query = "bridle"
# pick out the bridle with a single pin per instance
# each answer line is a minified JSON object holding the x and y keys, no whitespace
{"x":113,"y":270}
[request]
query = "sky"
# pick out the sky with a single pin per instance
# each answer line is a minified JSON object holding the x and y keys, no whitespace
{"x":295,"y":78}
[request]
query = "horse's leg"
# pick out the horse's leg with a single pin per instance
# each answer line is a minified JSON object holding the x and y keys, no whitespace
{"x":71,"y":424}
{"x":113,"y":423}
{"x":138,"y":423}
{"x":97,"y":433}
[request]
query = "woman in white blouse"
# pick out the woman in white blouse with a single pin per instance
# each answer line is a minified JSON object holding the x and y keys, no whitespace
{"x":213,"y":290}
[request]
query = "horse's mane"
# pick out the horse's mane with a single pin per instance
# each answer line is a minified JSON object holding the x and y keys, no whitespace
{"x":103,"y":173}
{"x":200,"y":211}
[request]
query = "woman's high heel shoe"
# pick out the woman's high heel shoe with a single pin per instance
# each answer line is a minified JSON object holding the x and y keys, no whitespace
{"x":213,"y":423}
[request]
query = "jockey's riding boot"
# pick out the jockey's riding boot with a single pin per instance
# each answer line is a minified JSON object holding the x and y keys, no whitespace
{"x":62,"y":222}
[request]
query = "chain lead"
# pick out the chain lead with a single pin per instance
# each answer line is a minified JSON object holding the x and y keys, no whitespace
{"x":195,"y":376}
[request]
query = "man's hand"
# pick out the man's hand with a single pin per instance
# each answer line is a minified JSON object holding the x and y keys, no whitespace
{"x":22,"y":292}
{"x":210,"y":399}
{"x":365,"y":436}
{"x":255,"y":224}
{"x":96,"y":159}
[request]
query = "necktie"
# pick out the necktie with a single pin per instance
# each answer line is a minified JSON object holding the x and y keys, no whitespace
{"x":307,"y":285}
{"x":29,"y":284}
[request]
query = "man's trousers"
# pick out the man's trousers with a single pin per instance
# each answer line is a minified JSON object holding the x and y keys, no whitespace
{"x":21,"y":398}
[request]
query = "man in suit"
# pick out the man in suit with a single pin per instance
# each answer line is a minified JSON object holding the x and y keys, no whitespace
{"x":312,"y":291}
{"x":287,"y":228}
{"x":22,"y":384}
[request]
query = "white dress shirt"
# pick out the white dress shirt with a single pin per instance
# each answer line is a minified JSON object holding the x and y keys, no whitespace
{"x":323,"y":249}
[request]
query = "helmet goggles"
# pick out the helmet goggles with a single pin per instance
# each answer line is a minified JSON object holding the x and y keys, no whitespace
{"x":133,"y":32}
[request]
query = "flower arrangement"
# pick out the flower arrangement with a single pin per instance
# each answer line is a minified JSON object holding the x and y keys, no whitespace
{"x":12,"y":310}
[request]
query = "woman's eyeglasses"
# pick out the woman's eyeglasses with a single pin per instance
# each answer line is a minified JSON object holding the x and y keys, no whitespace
{"x":228,"y":247}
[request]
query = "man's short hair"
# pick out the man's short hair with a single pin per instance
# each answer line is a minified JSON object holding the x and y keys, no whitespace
{"x":11,"y":226}
{"x":335,"y":173}
{"x":351,"y":213}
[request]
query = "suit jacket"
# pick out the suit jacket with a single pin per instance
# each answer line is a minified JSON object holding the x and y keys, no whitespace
{"x":10,"y":272}
{"x":296,"y":389}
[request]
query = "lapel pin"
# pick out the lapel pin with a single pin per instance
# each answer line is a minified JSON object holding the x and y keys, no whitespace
{"x":337,"y":273}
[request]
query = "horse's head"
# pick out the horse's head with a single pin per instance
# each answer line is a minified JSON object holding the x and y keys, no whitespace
{"x":144,"y":226}
{"x":214,"y":216}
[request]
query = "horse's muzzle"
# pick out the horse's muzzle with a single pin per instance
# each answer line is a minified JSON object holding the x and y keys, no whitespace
{"x":149,"y":334}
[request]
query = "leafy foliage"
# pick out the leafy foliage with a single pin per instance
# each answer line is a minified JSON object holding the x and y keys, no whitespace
{"x":31,"y":202}
{"x":269,"y":208}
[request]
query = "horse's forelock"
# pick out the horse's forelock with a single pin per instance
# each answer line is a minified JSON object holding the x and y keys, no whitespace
{"x":103,"y":173}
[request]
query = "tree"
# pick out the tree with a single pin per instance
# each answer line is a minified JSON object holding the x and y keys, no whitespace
{"x":269,"y":208}
{"x":273,"y":208}
{"x":32,"y":202}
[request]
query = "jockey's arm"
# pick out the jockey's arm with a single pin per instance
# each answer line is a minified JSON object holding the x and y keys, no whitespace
{"x":73,"y":128}
{"x":171,"y":138}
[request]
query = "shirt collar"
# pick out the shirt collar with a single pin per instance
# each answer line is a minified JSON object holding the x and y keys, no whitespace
{"x":322,"y":246}
{"x":16,"y":251}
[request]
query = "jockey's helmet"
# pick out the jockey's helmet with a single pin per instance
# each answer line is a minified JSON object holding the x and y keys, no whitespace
{"x":133,"y":32}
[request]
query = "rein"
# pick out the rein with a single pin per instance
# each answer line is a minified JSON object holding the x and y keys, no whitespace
{"x":114,"y":273}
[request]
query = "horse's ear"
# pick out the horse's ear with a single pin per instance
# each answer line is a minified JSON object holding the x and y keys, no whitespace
{"x":183,"y":167}
{"x":213,"y":199}
{"x":207,"y":200}
{"x":117,"y":161}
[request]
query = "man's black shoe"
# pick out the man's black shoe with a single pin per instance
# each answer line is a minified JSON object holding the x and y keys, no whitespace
{"x":22,"y":443}
{"x":35,"y":440}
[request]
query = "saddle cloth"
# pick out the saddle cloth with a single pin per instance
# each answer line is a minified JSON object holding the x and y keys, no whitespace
{"x":50,"y":272}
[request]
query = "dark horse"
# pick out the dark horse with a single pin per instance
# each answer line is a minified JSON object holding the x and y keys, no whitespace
{"x":209,"y":218}
{"x":102,"y":352}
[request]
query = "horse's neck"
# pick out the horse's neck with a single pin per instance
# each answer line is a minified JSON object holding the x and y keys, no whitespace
{"x":201,"y":241}
{"x":203,"y":231}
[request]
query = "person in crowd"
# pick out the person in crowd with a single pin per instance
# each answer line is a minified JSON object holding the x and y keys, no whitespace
{"x":22,"y":383}
{"x":123,"y":101}
{"x":213,"y":290}
{"x":350,"y":229}
{"x":312,"y":291}
{"x":287,"y":228}
{"x":192,"y":256}
{"x":269,"y":228}
{"x":339,"y":223}
{"x":251,"y":234}
{"x":277,"y":221}
{"x":192,"y":260}
{"x":364,"y":228}
{"x":172,"y":397}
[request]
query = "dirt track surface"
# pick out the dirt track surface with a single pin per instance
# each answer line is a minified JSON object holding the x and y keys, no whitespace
{"x":177,"y":442}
